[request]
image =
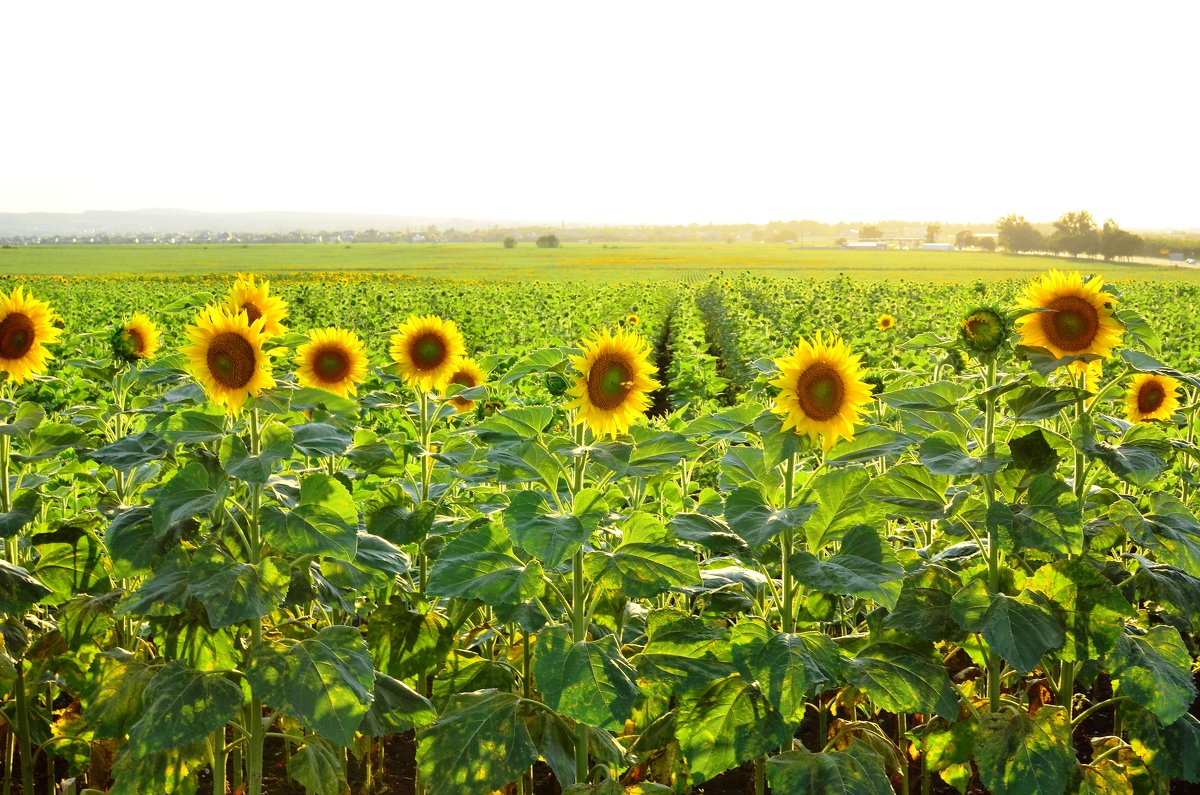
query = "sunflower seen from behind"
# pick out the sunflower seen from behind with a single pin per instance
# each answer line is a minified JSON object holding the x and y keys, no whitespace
{"x":226,"y":356}
{"x":26,"y":328}
{"x":1151,"y":397}
{"x":333,"y":359}
{"x":427,"y":350}
{"x":256,"y":301}
{"x":469,"y":374}
{"x":137,"y":339}
{"x":822,"y":390}
{"x":613,"y":385}
{"x":1069,"y":316}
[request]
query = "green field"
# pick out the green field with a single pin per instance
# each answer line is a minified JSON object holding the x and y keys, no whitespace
{"x":612,"y":262}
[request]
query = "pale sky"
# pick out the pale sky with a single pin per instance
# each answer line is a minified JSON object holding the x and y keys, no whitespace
{"x":608,"y":112}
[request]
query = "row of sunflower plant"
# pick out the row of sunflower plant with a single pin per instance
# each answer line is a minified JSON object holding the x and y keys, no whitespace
{"x":844,"y":588}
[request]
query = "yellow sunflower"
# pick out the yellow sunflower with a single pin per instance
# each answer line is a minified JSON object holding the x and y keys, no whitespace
{"x":468,"y":374}
{"x":226,"y":356}
{"x":614,"y":384}
{"x":258,"y":304}
{"x":822,"y":390}
{"x":333,"y":359}
{"x":632,"y":320}
{"x":1075,"y":317}
{"x":886,"y":322}
{"x":137,"y":339}
{"x":26,"y":327}
{"x":428,"y":351}
{"x":1151,"y":397}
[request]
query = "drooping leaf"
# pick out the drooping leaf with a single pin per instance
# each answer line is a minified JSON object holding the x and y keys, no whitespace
{"x":788,"y":667}
{"x":900,"y":679}
{"x":131,"y":451}
{"x":911,"y":491}
{"x":480,"y":564}
{"x":1018,"y":754}
{"x":1155,"y":670}
{"x":858,"y":770}
{"x":405,"y":642}
{"x":1092,"y":610}
{"x":724,"y":725}
{"x":756,"y":521}
{"x":478,"y":744}
{"x":188,"y":494}
{"x":864,"y":566}
{"x":709,"y":532}
{"x":320,"y":439}
{"x":1172,"y":750}
{"x":643,"y":570}
{"x":840,"y":505}
{"x":943,"y":454}
{"x":239,"y":463}
{"x":869,"y":444}
{"x":233,"y":592}
{"x":183,"y":706}
{"x":1021,"y":630}
{"x":396,"y":708}
{"x":19,"y":590}
{"x":549,"y":535}
{"x":318,"y":766}
{"x":1051,"y":520}
{"x":587,"y":681}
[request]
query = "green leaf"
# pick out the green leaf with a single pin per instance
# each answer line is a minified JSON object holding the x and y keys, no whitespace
{"x":85,"y":618}
{"x":1138,"y":459}
{"x":1033,"y":403}
{"x":196,"y":426}
{"x":131,"y":451}
{"x":684,"y":650}
{"x":479,"y":744}
{"x":396,"y":708}
{"x":643,"y":570}
{"x":869,"y":444}
{"x":163,"y":594}
{"x":131,"y":543}
{"x":864,"y":566}
{"x":114,"y":699}
{"x":942,"y":396}
{"x":309,"y":530}
{"x":186,"y":495}
{"x":233,"y":592}
{"x":400,"y":523}
{"x":237,"y":461}
{"x":1173,"y":750}
{"x":858,"y":770}
{"x":1167,"y":585}
{"x":788,"y":667}
{"x":1019,"y":755}
{"x":1091,"y":609}
{"x":910,"y":491}
{"x":901,"y":680}
{"x":970,"y":604}
{"x":324,"y":681}
{"x":29,"y":415}
{"x":1144,"y":363}
{"x":1155,"y":670}
{"x":550,"y":536}
{"x":841,"y":504}
{"x":1051,"y":520}
{"x":320,"y":440}
{"x":318,"y":766}
{"x":751,"y":517}
{"x":19,"y":590}
{"x":70,"y":561}
{"x":183,"y":706}
{"x":24,"y":509}
{"x":943,"y":454}
{"x":1021,"y":630}
{"x":724,"y":725}
{"x":406,"y":643}
{"x":480,"y":564}
{"x":166,"y":773}
{"x":709,"y":532}
{"x":587,"y":681}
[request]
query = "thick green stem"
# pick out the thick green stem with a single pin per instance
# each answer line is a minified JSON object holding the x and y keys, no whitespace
{"x":902,"y":744}
{"x":578,"y":635}
{"x":23,"y":730}
{"x":254,"y":714}
{"x":995,"y":665}
{"x":218,"y":762}
{"x":10,"y":750}
{"x":1066,"y":680}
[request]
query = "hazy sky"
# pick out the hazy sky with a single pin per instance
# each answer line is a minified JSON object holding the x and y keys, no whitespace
{"x":606,"y":111}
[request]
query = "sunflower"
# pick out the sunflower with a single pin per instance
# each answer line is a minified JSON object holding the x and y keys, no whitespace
{"x":428,"y":351}
{"x":1075,"y":317}
{"x":258,"y":304}
{"x":886,"y":322}
{"x":614,"y":385}
{"x":822,"y":390}
{"x":27,"y":325}
{"x":469,"y":374}
{"x":632,"y":320}
{"x":333,"y":359}
{"x":983,"y":331}
{"x":226,"y":356}
{"x":1151,"y":397}
{"x":137,"y":339}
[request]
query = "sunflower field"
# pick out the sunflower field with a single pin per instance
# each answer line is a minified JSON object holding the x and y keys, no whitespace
{"x":369,"y":534}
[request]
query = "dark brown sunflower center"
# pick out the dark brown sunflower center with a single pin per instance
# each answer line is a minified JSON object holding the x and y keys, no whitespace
{"x":1071,"y":324}
{"x":17,"y":335}
{"x":331,"y":365}
{"x":463,"y":378}
{"x":135,"y":341}
{"x":231,"y":360}
{"x":1150,"y":397}
{"x":609,"y":381}
{"x":428,"y":351}
{"x":820,"y":391}
{"x":253,"y":313}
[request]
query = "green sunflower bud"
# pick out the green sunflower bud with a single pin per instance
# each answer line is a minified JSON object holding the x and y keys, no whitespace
{"x":984,"y":331}
{"x":126,"y":347}
{"x":556,"y":384}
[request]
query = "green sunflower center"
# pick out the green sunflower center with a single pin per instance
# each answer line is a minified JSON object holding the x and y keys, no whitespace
{"x":1071,"y":324}
{"x":820,"y":391}
{"x":331,"y":365}
{"x":428,"y":351}
{"x":1151,"y":397}
{"x":17,"y":335}
{"x":609,"y":381}
{"x":231,"y":360}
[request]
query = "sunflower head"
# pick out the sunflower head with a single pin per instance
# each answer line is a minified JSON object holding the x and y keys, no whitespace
{"x":822,"y":390}
{"x":27,"y":325}
{"x":886,"y":322}
{"x":258,"y":304}
{"x":137,"y":339}
{"x":983,"y":332}
{"x":1069,"y":316}
{"x":632,"y":320}
{"x":1151,"y":397}
{"x":427,"y":350}
{"x":468,"y":374}
{"x":613,"y":385}
{"x":333,"y":359}
{"x":226,"y":356}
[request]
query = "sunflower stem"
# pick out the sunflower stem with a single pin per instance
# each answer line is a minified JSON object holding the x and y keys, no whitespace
{"x":254,"y":712}
{"x":23,"y":730}
{"x":995,"y":665}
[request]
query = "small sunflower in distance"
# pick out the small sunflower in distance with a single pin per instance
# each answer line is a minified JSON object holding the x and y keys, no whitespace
{"x":27,"y":325}
{"x":226,"y":356}
{"x":427,"y":350}
{"x":1151,"y":397}
{"x":333,"y":359}
{"x":258,"y":304}
{"x":632,"y":320}
{"x":137,"y":339}
{"x":822,"y":390}
{"x":1074,"y":318}
{"x":886,"y":322}
{"x":614,"y":384}
{"x":469,"y":374}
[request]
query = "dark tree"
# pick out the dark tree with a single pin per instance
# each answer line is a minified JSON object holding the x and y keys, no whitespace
{"x":931,"y":232}
{"x":547,"y":241}
{"x":870,"y":232}
{"x":510,"y":242}
{"x":1017,"y":234}
{"x":964,"y":239}
{"x":1075,"y":233}
{"x":1116,"y":242}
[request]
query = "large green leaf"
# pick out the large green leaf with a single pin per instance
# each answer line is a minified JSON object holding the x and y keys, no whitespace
{"x":858,"y":770}
{"x":405,"y":642}
{"x":643,"y":570}
{"x":131,"y":451}
{"x":24,"y":508}
{"x":70,"y":560}
{"x":165,"y":593}
{"x":233,"y":592}
{"x":587,"y":681}
{"x":1138,"y":458}
{"x":170,"y":772}
{"x":324,"y":681}
{"x":478,"y":744}
{"x":19,"y":590}
{"x":724,"y":725}
{"x":1155,"y":670}
{"x":1091,"y":609}
{"x":943,"y":454}
{"x":869,"y":444}
{"x":1033,"y":403}
{"x":318,"y":766}
{"x":788,"y":667}
{"x":1172,"y":750}
{"x":480,"y":564}
{"x":911,"y":491}
{"x":864,"y":566}
{"x":114,"y":700}
{"x":709,"y":532}
{"x":751,"y":517}
{"x":1021,"y":630}
{"x":188,"y":494}
{"x":1051,"y":520}
{"x":684,"y":650}
{"x":239,"y":463}
{"x":396,"y":708}
{"x":900,"y":679}
{"x":840,"y":505}
{"x":549,"y":535}
{"x":1019,"y":755}
{"x":309,"y":530}
{"x":183,"y":706}
{"x":132,"y":545}
{"x":320,"y":439}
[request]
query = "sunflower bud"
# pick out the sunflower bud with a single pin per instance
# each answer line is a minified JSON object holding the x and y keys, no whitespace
{"x":126,"y":346}
{"x":984,"y":331}
{"x":556,"y":384}
{"x":876,"y":382}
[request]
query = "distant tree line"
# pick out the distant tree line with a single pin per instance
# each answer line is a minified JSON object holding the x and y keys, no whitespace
{"x":1076,"y":233}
